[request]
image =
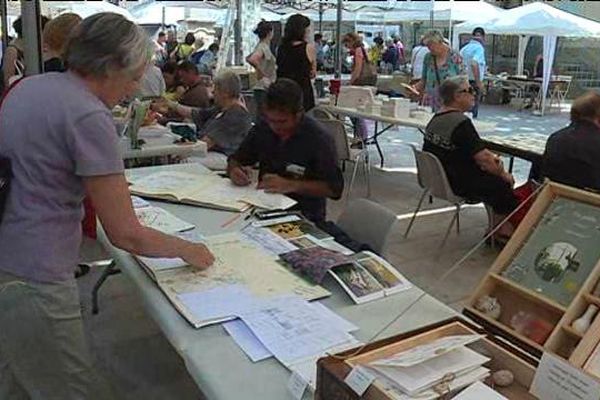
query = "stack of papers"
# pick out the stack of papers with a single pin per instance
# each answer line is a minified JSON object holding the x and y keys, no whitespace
{"x":415,"y":372}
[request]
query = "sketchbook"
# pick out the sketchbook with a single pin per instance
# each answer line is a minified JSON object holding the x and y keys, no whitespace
{"x":206,"y":190}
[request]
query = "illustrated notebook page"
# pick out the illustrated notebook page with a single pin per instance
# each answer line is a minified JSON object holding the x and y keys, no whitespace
{"x":561,"y":251}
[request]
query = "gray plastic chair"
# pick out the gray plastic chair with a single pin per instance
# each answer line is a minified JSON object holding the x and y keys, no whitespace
{"x":367,"y":222}
{"x":337,"y":131}
{"x":432,"y":178}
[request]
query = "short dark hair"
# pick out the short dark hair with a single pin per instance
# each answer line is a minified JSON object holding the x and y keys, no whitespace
{"x":318,"y":36}
{"x":18,"y":27}
{"x":161,"y":34}
{"x":295,"y":28}
{"x":190,"y":39}
{"x":263,"y":29}
{"x":478,"y":31}
{"x":285,"y":95}
{"x":187,"y":66}
{"x":378,"y":40}
{"x":214,"y":47}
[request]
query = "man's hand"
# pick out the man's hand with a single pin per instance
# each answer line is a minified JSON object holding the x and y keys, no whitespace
{"x":272,"y":183}
{"x":198,"y":255}
{"x":240,"y":176}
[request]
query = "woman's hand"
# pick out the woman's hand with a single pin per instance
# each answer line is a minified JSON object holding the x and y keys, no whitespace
{"x":198,"y":255}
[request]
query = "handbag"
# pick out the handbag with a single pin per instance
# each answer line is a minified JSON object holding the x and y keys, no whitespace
{"x":368,"y":72}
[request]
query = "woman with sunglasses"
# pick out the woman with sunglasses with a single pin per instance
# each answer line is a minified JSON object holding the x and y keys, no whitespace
{"x":439,"y":64}
{"x":474,"y":172}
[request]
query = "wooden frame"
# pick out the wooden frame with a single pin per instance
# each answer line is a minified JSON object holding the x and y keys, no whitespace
{"x":563,"y":340}
{"x":332,"y":370}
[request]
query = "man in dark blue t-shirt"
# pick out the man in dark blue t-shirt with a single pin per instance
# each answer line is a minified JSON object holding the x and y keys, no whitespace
{"x":295,"y":154}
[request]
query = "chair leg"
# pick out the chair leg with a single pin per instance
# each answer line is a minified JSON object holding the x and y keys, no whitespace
{"x":457,"y":219}
{"x":108,"y":271}
{"x":367,"y":168}
{"x":447,"y":233}
{"x":412,"y":220}
{"x":354,"y":171}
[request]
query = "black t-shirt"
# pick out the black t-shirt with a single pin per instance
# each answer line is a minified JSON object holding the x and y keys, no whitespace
{"x":572,"y":156}
{"x":309,"y":154}
{"x":456,"y":154}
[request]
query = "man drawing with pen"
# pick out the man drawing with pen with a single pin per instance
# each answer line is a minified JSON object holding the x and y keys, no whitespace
{"x":295,"y":154}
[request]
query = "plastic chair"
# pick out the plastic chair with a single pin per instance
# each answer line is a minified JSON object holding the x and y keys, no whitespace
{"x":367,"y":222}
{"x":337,"y":131}
{"x":432,"y":178}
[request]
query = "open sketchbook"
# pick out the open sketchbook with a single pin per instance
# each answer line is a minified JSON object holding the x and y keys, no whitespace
{"x":207,"y":190}
{"x":200,"y":296}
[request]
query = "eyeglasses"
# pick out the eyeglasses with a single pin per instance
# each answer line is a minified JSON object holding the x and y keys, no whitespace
{"x":469,"y":90}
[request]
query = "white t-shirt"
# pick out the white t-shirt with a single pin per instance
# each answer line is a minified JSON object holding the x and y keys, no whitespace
{"x":418,"y":56}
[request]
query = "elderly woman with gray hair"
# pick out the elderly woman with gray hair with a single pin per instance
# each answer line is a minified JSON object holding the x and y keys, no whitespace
{"x":224,"y":126}
{"x":57,"y":131}
{"x":439,"y":64}
{"x":473,"y":171}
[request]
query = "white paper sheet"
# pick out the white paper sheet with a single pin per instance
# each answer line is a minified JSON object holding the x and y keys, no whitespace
{"x":247,"y":341}
{"x":419,"y":354}
{"x":138,"y":202}
{"x":161,"y":220}
{"x":219,"y":302}
{"x":291,"y":330}
{"x":256,"y":351}
{"x":479,"y":391}
{"x":268,"y":240}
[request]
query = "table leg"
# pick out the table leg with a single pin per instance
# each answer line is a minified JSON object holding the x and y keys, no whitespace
{"x":376,"y":142}
{"x":511,"y":163}
{"x":108,"y":271}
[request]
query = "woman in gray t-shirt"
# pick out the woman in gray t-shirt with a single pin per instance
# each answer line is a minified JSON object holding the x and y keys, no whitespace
{"x":263,"y":60}
{"x":57,"y":131}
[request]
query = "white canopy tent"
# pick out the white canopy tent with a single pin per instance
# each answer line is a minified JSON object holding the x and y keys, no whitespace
{"x":85,"y":8}
{"x":537,"y":19}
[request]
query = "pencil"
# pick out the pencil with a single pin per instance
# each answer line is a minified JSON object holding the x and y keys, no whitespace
{"x":231,"y":220}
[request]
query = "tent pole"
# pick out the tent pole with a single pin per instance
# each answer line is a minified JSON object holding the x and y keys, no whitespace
{"x":321,"y":17}
{"x":164,"y":18}
{"x":338,"y":41}
{"x":4,"y":22}
{"x":238,"y":33}
{"x":30,"y":13}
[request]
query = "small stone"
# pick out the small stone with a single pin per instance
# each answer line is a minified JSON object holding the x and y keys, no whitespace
{"x":503,"y":378}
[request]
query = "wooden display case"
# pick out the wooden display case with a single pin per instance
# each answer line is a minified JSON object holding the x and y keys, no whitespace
{"x":547,"y":226}
{"x":513,"y":296}
{"x":332,"y":370}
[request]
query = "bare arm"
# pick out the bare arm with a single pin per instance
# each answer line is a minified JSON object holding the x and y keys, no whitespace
{"x":112,"y":202}
{"x":359,"y":60}
{"x":492,"y":164}
{"x":254,"y":60}
{"x":8,"y":65}
{"x":476,"y":75}
{"x":311,"y":53}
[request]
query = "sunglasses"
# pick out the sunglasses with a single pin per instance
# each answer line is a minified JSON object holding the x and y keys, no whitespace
{"x":469,"y":90}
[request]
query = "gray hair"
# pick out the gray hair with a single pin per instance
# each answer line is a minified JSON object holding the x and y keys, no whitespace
{"x":228,"y":83}
{"x":450,"y":86}
{"x":434,"y":36}
{"x":106,"y":42}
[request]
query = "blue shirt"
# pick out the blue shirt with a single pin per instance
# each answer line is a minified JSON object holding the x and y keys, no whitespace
{"x":474,"y":52}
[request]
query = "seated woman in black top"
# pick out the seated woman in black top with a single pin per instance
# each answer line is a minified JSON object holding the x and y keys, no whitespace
{"x":474,"y":172}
